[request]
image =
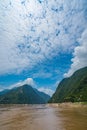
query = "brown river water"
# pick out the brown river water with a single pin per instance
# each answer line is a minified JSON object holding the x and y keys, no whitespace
{"x":42,"y":117}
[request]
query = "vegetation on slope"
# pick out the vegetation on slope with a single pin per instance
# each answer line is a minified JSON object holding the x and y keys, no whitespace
{"x":23,"y":95}
{"x":72,"y":89}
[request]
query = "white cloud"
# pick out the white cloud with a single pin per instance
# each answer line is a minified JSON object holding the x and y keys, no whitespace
{"x":57,"y":83}
{"x":2,"y":88}
{"x":46,"y":90}
{"x":31,"y":31}
{"x":80,"y":55}
{"x":42,"y":74}
{"x":28,"y":81}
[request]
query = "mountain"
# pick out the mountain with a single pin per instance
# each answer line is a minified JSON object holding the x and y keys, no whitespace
{"x":4,"y":91}
{"x":23,"y":95}
{"x":45,"y":96}
{"x":72,"y":89}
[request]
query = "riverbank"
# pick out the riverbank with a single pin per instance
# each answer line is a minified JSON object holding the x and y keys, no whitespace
{"x":69,"y":104}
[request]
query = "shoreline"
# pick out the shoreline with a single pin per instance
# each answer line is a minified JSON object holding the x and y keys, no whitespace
{"x":65,"y":104}
{"x":69,"y":104}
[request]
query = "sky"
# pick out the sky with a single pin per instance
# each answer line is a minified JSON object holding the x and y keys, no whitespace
{"x":41,"y":42}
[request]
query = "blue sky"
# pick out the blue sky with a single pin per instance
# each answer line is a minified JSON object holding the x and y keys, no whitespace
{"x":41,"y":41}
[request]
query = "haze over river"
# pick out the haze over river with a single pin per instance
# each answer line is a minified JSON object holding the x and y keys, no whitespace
{"x":42,"y":117}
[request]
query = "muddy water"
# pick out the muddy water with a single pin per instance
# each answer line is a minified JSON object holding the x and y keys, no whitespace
{"x":42,"y":117}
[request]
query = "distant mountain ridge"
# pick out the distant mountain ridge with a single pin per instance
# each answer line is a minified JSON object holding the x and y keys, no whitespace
{"x":23,"y":95}
{"x":72,"y":89}
{"x":4,"y":91}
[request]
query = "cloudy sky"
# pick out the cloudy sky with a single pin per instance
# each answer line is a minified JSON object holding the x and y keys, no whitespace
{"x":41,"y":41}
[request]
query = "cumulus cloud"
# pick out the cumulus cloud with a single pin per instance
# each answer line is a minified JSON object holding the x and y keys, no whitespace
{"x":80,"y":55}
{"x":32,"y":31}
{"x":28,"y":81}
{"x":46,"y":90}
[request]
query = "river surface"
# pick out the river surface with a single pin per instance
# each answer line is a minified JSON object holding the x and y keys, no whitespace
{"x":42,"y":117}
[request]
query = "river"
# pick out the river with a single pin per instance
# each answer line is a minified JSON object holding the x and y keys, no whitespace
{"x":42,"y":117}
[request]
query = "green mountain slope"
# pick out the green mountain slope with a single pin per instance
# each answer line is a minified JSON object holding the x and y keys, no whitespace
{"x":23,"y":95}
{"x":72,"y":89}
{"x":4,"y":91}
{"x":45,"y":96}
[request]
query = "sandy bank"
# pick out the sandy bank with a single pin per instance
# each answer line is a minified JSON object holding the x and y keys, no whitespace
{"x":80,"y":104}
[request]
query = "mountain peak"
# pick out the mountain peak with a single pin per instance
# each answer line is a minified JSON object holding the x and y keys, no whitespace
{"x":24,"y":94}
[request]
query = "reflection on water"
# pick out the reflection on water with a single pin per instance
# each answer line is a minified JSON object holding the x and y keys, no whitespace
{"x":42,"y":117}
